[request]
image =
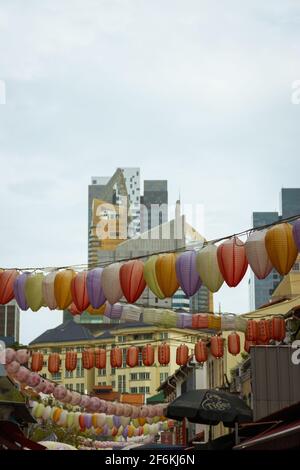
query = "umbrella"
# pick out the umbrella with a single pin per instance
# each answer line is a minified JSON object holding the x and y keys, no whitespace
{"x":210,"y":407}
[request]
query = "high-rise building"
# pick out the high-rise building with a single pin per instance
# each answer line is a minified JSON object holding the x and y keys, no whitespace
{"x":154,"y":204}
{"x":10,"y":322}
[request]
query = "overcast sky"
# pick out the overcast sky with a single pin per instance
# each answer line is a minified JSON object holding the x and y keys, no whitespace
{"x":196,"y":92}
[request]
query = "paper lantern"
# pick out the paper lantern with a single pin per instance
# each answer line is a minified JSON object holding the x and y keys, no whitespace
{"x":232,"y":261}
{"x":278,"y":328}
{"x":164,"y":354}
{"x":262,"y":332}
{"x":257,"y":255}
{"x":217,"y":346}
{"x":111,"y":283}
{"x":53,"y":363}
{"x":22,"y":356}
{"x":7,"y":280}
{"x":76,"y":398}
{"x":96,"y":311}
{"x":131,"y":313}
{"x":22,"y":374}
{"x":100,"y":358}
{"x":12,"y":368}
{"x":37,"y":360}
{"x":151,"y":278}
{"x":184,"y":320}
{"x":165,"y":268}
{"x":10,"y":355}
{"x":132,"y":280}
{"x":88,"y":358}
{"x":74,"y":310}
{"x":33,"y":291}
{"x":182,"y":355}
{"x":132,"y":356}
{"x":148,"y":355}
{"x":201,"y":353}
{"x":234,"y":343}
{"x":94,"y":287}
{"x":33,"y":380}
{"x":79,"y":291}
{"x":248,"y":345}
{"x":71,"y":360}
{"x":296,"y":233}
{"x":208,"y":268}
{"x":113,"y":311}
{"x":116,"y":357}
{"x":214,"y":322}
{"x":19,"y":290}
{"x":270,"y":328}
{"x":200,"y":321}
{"x":95,"y":404}
{"x":281,"y":247}
{"x":187,"y":274}
{"x":251,"y":331}
{"x":48,"y":290}
{"x":62,"y":288}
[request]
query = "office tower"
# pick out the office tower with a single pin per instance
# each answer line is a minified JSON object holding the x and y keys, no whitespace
{"x":10,"y":322}
{"x":154,"y":204}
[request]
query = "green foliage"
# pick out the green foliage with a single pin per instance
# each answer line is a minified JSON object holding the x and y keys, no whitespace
{"x":39,"y":432}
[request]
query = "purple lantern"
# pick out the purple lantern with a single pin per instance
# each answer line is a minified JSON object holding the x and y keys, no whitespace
{"x":184,"y":320}
{"x":125,"y":432}
{"x":19,"y":291}
{"x":296,"y":233}
{"x":117,"y":421}
{"x":187,"y":274}
{"x":94,"y":287}
{"x":113,"y":311}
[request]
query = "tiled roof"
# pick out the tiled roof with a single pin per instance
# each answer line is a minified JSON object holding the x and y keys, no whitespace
{"x":68,"y":331}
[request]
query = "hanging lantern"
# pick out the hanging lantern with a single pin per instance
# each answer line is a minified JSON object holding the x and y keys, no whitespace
{"x":111,"y":283}
{"x":164,"y":354}
{"x":281,"y":247}
{"x":296,"y":233}
{"x":234,"y":343}
{"x":19,"y":290}
{"x":53,"y":363}
{"x":257,"y":255}
{"x":262,"y":332}
{"x":199,"y":321}
{"x":132,"y":356}
{"x":48,"y":290}
{"x":248,"y":345}
{"x":217,"y":346}
{"x":208,"y":268}
{"x":100,"y":358}
{"x":182,"y":355}
{"x":96,"y":311}
{"x":71,"y":360}
{"x":132,"y":280}
{"x":33,"y":291}
{"x":201,"y":352}
{"x":151,"y":278}
{"x":278,"y":328}
{"x":74,"y":310}
{"x":88,"y":358}
{"x":251,"y":330}
{"x":148,"y":355}
{"x":186,"y":273}
{"x":7,"y":280}
{"x":37,"y":360}
{"x":79,"y":291}
{"x":116,"y":357}
{"x":166,"y":274}
{"x":62,"y":288}
{"x":270,"y":328}
{"x":94,"y":287}
{"x":232,"y":261}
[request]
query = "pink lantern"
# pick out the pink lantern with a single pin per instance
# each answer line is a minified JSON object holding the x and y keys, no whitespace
{"x":145,"y":411}
{"x":33,"y":379}
{"x":76,"y":398}
{"x":257,"y":254}
{"x":119,"y":409}
{"x":111,"y":283}
{"x":12,"y":368}
{"x":127,"y":410}
{"x":232,"y":261}
{"x":10,"y":355}
{"x":49,"y":387}
{"x":41,"y":387}
{"x":22,"y":356}
{"x":85,"y":401}
{"x":22,"y":374}
{"x":60,"y":392}
{"x":94,"y":404}
{"x":48,"y":290}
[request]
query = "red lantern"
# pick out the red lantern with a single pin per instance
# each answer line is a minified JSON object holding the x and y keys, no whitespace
{"x":251,"y":330}
{"x":53,"y":363}
{"x":201,"y":353}
{"x":116,"y":357}
{"x":164,"y":354}
{"x":37,"y":360}
{"x":132,"y":356}
{"x":270,"y":328}
{"x":132,"y":280}
{"x":262,"y":332}
{"x":88,"y":358}
{"x":100,"y":358}
{"x":278,"y":327}
{"x":234,"y":343}
{"x":148,"y":355}
{"x":7,"y":280}
{"x":79,"y":291}
{"x":71,"y":361}
{"x":248,"y":344}
{"x":200,"y":321}
{"x":232,"y":261}
{"x":182,"y":355}
{"x":217,"y":346}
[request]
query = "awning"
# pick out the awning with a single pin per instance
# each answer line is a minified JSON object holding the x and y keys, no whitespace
{"x":158,"y":398}
{"x":279,"y":308}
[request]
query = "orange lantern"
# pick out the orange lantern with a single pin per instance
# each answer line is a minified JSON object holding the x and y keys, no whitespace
{"x":7,"y":280}
{"x":201,"y":352}
{"x":100,"y":358}
{"x":262,"y":332}
{"x":248,"y":344}
{"x":79,"y":291}
{"x":200,"y":321}
{"x":281,"y":247}
{"x":116,"y":357}
{"x":182,"y":355}
{"x":96,"y":311}
{"x":71,"y":360}
{"x":148,"y":355}
{"x":251,"y":330}
{"x":164,"y":354}
{"x":88,"y":358}
{"x":217,"y":346}
{"x":232,"y":261}
{"x":132,"y":280}
{"x":278,"y":328}
{"x":53,"y":363}
{"x":165,"y":268}
{"x":37,"y":360}
{"x":234,"y":343}
{"x":62,"y":288}
{"x":132,"y":356}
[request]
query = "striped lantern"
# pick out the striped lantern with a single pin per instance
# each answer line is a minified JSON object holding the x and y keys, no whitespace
{"x":234,"y":343}
{"x":278,"y":328}
{"x":62,"y":288}
{"x":164,"y":354}
{"x":33,"y":291}
{"x":71,"y":360}
{"x":94,"y":287}
{"x":53,"y":363}
{"x":166,"y":274}
{"x":79,"y":291}
{"x":37,"y":360}
{"x":7,"y":281}
{"x":201,"y":353}
{"x":132,"y":280}
{"x":151,"y":278}
{"x":116,"y":357}
{"x":111,"y":283}
{"x":262,"y":332}
{"x":251,"y":331}
{"x":182,"y":355}
{"x":281,"y":247}
{"x":132,"y":356}
{"x":148,"y":355}
{"x":88,"y":358}
{"x":186,"y":273}
{"x":257,"y":255}
{"x":19,"y":291}
{"x":100,"y":358}
{"x":48,"y":290}
{"x":208,"y":268}
{"x":232,"y":261}
{"x":217,"y":346}
{"x":113,"y":311}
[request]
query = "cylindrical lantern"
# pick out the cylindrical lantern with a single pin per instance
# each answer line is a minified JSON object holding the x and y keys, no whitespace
{"x":296,"y":233}
{"x":37,"y":359}
{"x":113,"y":311}
{"x":217,"y":346}
{"x":53,"y":363}
{"x":62,"y":288}
{"x":278,"y":328}
{"x":94,"y":287}
{"x":281,"y":247}
{"x":74,"y":310}
{"x":248,"y":345}
{"x":232,"y":261}
{"x":148,"y":355}
{"x":151,"y":278}
{"x":201,"y":353}
{"x":111,"y":283}
{"x":33,"y":291}
{"x":79,"y":291}
{"x":96,"y":311}
{"x":7,"y":280}
{"x":132,"y":280}
{"x":262,"y":332}
{"x":182,"y":355}
{"x":257,"y":255}
{"x":19,"y":290}
{"x":187,"y":274}
{"x":270,"y":328}
{"x":88,"y":358}
{"x":71,"y":360}
{"x":48,"y":290}
{"x":132,"y":356}
{"x":251,"y":331}
{"x":100,"y":358}
{"x":166,"y":274}
{"x":234,"y":343}
{"x":116,"y":357}
{"x":200,"y":321}
{"x":164,"y":354}
{"x":208,"y":268}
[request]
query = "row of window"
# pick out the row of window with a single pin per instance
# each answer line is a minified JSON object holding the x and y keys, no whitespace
{"x":79,"y":387}
{"x":140,"y":390}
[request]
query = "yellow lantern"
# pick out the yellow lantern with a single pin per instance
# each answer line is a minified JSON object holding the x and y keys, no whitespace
{"x":33,"y":291}
{"x":96,"y":311}
{"x":151,"y":278}
{"x":62,"y":288}
{"x":208,"y":268}
{"x":281,"y":247}
{"x":165,"y":268}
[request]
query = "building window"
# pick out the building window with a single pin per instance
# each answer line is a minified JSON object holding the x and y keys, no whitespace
{"x":133,"y":376}
{"x":68,"y":374}
{"x":144,"y":390}
{"x":124,"y":357}
{"x":133,"y":390}
{"x":163,"y":335}
{"x":113,"y":371}
{"x":79,"y":368}
{"x":144,"y":376}
{"x":113,"y":384}
{"x":56,"y":376}
{"x":122,"y":383}
{"x":101,"y":372}
{"x":163,"y":377}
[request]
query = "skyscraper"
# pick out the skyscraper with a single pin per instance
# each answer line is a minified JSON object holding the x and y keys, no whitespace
{"x":10,"y":322}
{"x":154,"y":204}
